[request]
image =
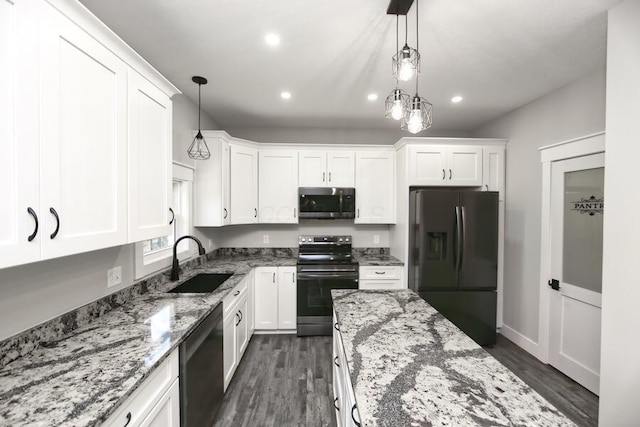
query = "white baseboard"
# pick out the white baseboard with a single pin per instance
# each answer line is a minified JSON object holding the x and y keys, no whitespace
{"x":274,"y":332}
{"x":520,"y":340}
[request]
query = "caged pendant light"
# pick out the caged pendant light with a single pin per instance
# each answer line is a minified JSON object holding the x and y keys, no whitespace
{"x":198,"y":149}
{"x":406,"y":62}
{"x":418,"y":116}
{"x":397,"y":103}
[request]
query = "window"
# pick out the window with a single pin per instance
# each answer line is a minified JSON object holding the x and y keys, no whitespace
{"x":155,"y":254}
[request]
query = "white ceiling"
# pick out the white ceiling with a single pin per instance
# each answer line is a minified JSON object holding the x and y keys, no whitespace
{"x":497,"y":54}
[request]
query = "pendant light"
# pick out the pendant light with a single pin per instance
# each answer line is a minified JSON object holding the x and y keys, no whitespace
{"x":418,"y":116}
{"x":198,"y":149}
{"x":396,"y":104}
{"x":406,"y":62}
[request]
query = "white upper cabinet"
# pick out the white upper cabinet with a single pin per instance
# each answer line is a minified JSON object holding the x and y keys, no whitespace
{"x":20,"y":230}
{"x":83,"y":139}
{"x":150,"y":171}
{"x":278,"y":186}
{"x":244,"y":184}
{"x":493,"y":169}
{"x":375,"y":187}
{"x":212,"y":198}
{"x":445,"y":165}
{"x":326,"y":168}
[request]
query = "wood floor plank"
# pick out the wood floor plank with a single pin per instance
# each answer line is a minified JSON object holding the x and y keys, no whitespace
{"x":286,"y":381}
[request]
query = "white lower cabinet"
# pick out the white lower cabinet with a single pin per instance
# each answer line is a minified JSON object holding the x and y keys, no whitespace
{"x":275,"y":298}
{"x":379,"y":278}
{"x":235,"y":328}
{"x":344,"y":398}
{"x":155,"y":402}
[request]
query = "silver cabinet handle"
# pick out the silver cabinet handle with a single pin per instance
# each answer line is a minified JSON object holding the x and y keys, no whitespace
{"x":358,"y":212}
{"x":294,"y":212}
{"x":274,"y":277}
{"x":329,"y":176}
{"x":323,"y":174}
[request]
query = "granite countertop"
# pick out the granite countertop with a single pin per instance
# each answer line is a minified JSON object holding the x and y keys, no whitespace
{"x":377,"y":260}
{"x":410,"y":366}
{"x":81,"y":378}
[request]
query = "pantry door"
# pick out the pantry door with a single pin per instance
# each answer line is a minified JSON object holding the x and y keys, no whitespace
{"x":575,"y":282}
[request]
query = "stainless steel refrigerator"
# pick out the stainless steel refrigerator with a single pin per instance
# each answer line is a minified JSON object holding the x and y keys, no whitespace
{"x":453,"y":258}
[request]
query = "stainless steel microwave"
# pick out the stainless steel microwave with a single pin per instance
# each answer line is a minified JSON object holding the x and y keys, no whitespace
{"x":327,"y":202}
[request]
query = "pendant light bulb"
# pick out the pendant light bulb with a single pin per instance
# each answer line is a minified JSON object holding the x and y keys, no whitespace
{"x":414,"y":125}
{"x":396,"y":104}
{"x":199,"y":150}
{"x":407,"y":66}
{"x":397,"y":111}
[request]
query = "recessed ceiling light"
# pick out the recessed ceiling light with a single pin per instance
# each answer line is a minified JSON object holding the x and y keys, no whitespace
{"x":285,"y":95}
{"x":456,"y":99}
{"x":372,"y":96}
{"x":272,"y":39}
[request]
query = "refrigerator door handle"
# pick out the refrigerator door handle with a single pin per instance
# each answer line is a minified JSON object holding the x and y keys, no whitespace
{"x":458,"y":239}
{"x":463,"y":239}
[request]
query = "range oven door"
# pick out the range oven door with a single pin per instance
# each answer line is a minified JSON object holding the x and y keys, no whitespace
{"x":314,"y":298}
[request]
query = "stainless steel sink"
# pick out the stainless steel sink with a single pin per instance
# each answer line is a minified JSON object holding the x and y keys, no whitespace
{"x":201,"y":283}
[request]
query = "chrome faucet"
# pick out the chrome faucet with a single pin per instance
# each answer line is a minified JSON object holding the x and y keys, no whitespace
{"x":175,"y":269}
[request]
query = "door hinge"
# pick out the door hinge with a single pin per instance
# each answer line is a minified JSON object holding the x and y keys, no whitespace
{"x":555,"y":285}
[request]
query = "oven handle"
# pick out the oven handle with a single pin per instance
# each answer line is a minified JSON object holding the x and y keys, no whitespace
{"x":350,"y":276}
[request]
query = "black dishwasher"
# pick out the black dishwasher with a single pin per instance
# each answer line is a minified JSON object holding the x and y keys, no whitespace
{"x":201,"y":372}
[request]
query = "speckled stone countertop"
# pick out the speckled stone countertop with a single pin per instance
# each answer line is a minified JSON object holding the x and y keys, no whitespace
{"x":81,"y":378}
{"x":409,"y":366}
{"x":375,"y":257}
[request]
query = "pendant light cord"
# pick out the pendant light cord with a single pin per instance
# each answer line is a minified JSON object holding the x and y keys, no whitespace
{"x":417,"y":45}
{"x":199,"y":91}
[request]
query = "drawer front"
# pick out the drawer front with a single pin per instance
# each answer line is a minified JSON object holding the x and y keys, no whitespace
{"x":139,"y":404}
{"x":380,"y":273}
{"x":234,"y":296}
{"x":380,"y":284}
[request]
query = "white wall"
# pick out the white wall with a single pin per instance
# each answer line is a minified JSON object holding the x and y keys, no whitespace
{"x":34,"y":293}
{"x":329,"y":135}
{"x":620,"y":357}
{"x":574,"y":110}
{"x":286,"y":235}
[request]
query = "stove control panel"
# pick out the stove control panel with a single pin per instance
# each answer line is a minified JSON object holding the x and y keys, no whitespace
{"x":305,"y":240}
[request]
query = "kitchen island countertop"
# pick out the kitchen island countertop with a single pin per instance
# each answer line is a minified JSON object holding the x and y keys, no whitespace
{"x":409,"y":366}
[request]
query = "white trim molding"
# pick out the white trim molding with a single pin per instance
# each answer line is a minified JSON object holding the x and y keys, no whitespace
{"x":517,"y":338}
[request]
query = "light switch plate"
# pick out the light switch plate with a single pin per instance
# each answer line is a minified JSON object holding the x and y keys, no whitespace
{"x":265,"y":238}
{"x":114,"y":276}
{"x":376,"y":238}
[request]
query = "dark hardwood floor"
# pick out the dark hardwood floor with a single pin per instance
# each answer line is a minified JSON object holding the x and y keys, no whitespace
{"x":282,"y":380}
{"x":573,"y":400}
{"x":285,"y":381}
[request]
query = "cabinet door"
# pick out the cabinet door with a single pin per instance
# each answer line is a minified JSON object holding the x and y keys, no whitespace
{"x":150,"y":124}
{"x":229,"y":346}
{"x":278,"y":192}
{"x":266,"y":294}
{"x":19,"y":162}
{"x":251,"y":302}
{"x":313,"y":168}
{"x":427,"y":165}
{"x":464,"y":165}
{"x":166,"y":413}
{"x":212,"y":200}
{"x":493,"y":169}
{"x":375,"y":187}
{"x":244,"y":185}
{"x":287,"y":298}
{"x":83,"y":139}
{"x":341,"y":169}
{"x":242,"y":328}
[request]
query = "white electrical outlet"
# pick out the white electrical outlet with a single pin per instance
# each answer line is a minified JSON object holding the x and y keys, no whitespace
{"x":265,"y":238}
{"x":114,"y":276}
{"x":376,"y":238}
